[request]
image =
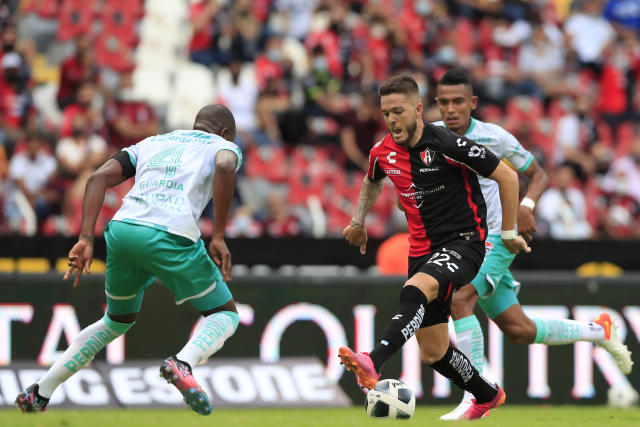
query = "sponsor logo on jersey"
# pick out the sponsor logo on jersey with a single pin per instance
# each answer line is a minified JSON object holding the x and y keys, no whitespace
{"x":423,"y":170}
{"x":416,"y":195}
{"x":427,"y":156}
{"x":393,"y":171}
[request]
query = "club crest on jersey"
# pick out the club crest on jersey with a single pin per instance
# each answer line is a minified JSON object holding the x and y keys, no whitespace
{"x":427,"y":156}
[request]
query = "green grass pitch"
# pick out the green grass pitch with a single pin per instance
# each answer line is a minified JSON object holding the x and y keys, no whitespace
{"x":564,"y":416}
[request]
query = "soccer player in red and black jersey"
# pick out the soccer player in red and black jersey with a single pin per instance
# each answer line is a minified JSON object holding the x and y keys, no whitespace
{"x":435,"y":174}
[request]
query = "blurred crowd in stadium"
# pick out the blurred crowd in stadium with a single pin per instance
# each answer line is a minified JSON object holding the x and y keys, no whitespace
{"x":80,"y":79}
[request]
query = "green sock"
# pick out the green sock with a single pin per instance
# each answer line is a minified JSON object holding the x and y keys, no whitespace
{"x":470,"y":340}
{"x":565,"y":331}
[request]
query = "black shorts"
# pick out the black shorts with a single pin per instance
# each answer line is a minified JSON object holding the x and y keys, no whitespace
{"x":452,"y":265}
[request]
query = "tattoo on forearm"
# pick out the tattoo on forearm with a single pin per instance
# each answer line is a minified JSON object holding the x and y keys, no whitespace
{"x":368,"y":194}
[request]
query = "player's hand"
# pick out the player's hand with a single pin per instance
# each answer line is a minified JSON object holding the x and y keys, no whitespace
{"x":356,"y":236}
{"x":526,"y":223}
{"x":516,"y":245}
{"x":222,"y":257}
{"x":80,"y":258}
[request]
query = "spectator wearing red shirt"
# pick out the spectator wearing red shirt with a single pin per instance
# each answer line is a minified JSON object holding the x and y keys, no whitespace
{"x":202,"y":15}
{"x":269,"y":64}
{"x":76,"y":69}
{"x":129,"y":120}
{"x":84,"y":104}
{"x":16,"y":105}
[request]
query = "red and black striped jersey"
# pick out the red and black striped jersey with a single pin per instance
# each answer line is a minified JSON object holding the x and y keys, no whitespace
{"x":437,"y":185}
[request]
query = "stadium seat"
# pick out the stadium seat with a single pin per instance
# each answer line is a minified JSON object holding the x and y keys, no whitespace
{"x":193,"y":88}
{"x":7,"y":265}
{"x":152,"y":85}
{"x":120,"y":19}
{"x":76,"y":18}
{"x":267,"y":162}
{"x":33,"y":265}
{"x":113,"y":53}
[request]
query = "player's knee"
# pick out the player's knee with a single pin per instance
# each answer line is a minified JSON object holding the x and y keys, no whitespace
{"x":431,"y":356}
{"x":461,"y":307}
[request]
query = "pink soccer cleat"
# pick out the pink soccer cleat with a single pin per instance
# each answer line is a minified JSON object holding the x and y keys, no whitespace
{"x":361,"y":365}
{"x":481,"y":410}
{"x":30,"y":401}
{"x":179,"y":374}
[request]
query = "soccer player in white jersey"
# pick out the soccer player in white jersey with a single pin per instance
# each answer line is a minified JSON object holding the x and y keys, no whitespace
{"x":494,"y":288}
{"x":154,"y":234}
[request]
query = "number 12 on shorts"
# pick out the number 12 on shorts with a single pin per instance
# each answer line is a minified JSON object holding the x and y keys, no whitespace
{"x":443,"y":260}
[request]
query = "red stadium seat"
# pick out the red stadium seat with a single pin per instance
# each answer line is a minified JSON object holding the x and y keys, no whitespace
{"x":267,"y":162}
{"x":76,"y":18}
{"x":113,"y":53}
{"x":120,"y":19}
{"x":464,"y":37}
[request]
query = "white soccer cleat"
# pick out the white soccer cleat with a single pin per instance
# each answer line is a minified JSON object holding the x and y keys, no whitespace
{"x":459,"y":411}
{"x":613,"y":345}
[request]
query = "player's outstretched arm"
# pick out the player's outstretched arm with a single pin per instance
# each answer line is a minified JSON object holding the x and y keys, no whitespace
{"x":537,"y":184}
{"x":224,"y":185}
{"x":507,"y":180}
{"x":355,"y":232}
{"x":108,"y":175}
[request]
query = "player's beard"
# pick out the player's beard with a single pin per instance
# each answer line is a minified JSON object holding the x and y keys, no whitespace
{"x":411,"y":130}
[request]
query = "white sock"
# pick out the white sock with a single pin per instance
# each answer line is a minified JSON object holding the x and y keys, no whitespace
{"x":209,"y":337}
{"x":565,"y":331}
{"x":89,"y":341}
{"x":470,"y":341}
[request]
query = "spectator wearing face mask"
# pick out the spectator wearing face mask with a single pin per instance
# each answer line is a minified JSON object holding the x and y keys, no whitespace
{"x":563,"y":208}
{"x":129,"y":119}
{"x":83,"y":150}
{"x":623,"y":176}
{"x":268,"y":66}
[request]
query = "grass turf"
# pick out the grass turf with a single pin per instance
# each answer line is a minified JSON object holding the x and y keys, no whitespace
{"x":533,"y":415}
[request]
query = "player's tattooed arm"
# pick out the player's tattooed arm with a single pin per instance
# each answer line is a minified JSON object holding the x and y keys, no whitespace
{"x":355,"y":232}
{"x":369,"y":192}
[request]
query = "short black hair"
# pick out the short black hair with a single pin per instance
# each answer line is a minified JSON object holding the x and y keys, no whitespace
{"x":213,"y":118}
{"x":455,"y":76}
{"x":403,"y":83}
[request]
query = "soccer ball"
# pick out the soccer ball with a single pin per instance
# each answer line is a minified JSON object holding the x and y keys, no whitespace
{"x":622,"y":396}
{"x":390,"y":399}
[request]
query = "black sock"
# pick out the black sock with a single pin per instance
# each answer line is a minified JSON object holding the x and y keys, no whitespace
{"x":402,"y":326}
{"x":455,"y":366}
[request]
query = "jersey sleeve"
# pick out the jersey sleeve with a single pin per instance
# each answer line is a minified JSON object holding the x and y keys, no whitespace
{"x":375,"y":172}
{"x":230,"y":146}
{"x":463,"y":150}
{"x":133,"y":152}
{"x":520,"y":158}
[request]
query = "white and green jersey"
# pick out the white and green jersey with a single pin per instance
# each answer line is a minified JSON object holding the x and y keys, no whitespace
{"x":173,"y":181}
{"x":506,"y":147}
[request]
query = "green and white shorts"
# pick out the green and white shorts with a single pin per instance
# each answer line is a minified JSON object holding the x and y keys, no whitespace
{"x":494,"y":283}
{"x":137,"y":254}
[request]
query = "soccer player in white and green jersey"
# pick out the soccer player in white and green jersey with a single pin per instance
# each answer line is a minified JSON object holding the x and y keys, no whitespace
{"x":154,"y":234}
{"x":494,"y":288}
